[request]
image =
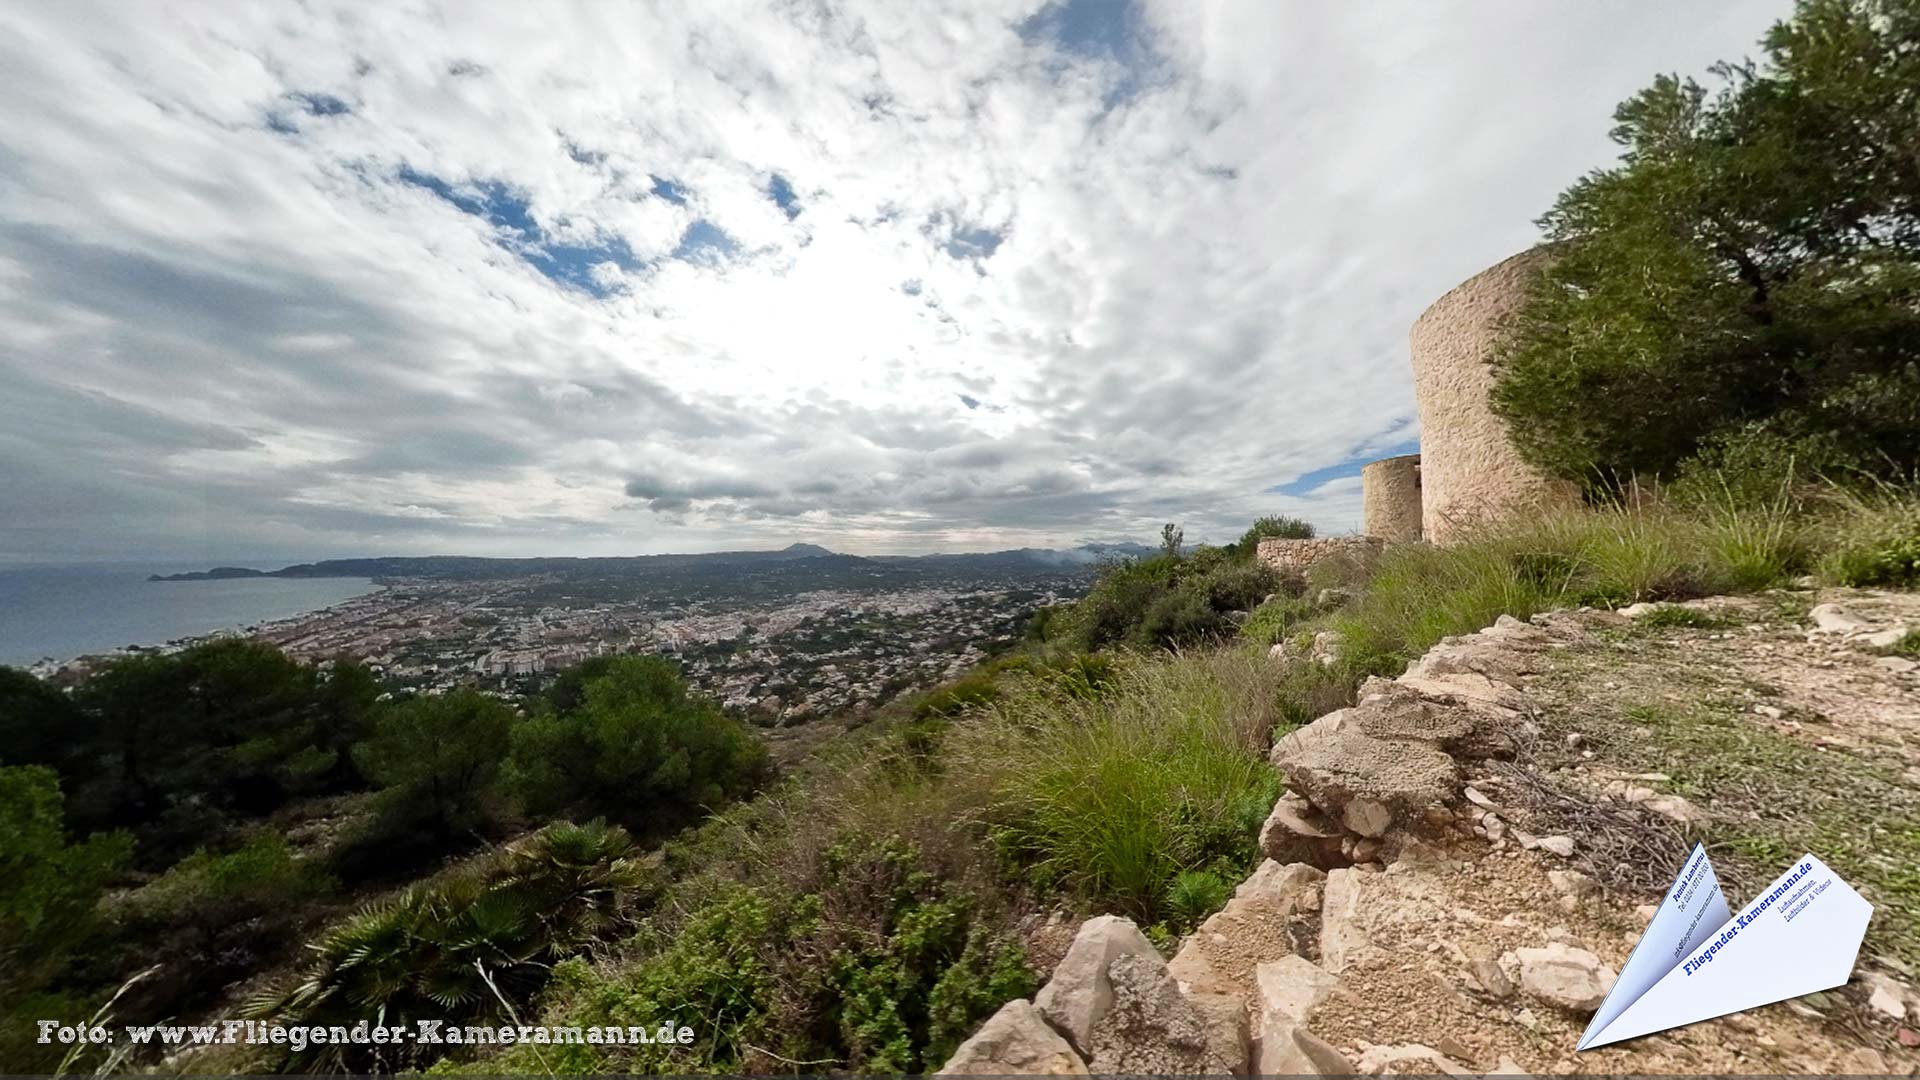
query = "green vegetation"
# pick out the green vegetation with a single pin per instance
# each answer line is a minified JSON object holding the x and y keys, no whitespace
{"x":1734,"y":302}
{"x":1168,"y":600}
{"x":463,"y":946}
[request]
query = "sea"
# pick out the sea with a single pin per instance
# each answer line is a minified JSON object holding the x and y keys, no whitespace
{"x":60,"y":612}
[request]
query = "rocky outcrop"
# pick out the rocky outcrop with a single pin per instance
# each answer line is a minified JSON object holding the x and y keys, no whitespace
{"x":1015,"y":1041}
{"x":1081,"y":990}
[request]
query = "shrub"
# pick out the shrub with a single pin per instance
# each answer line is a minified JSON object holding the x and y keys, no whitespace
{"x":1274,"y":619}
{"x":1875,"y":540}
{"x":465,"y":946}
{"x":639,"y":747}
{"x":1273,"y":527}
{"x":1196,"y":894}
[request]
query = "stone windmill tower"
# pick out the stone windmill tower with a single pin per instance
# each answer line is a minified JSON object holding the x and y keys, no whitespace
{"x":1467,"y":470}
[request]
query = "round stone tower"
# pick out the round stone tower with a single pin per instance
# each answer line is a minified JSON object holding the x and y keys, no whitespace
{"x":1469,"y":470}
{"x":1390,"y":499}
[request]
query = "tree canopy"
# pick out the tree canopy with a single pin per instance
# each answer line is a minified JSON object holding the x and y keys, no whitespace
{"x":1743,"y":288}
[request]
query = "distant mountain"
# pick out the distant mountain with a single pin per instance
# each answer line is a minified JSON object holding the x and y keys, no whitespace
{"x":810,"y":560}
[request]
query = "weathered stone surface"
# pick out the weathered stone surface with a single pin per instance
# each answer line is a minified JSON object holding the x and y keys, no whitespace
{"x":1290,"y":988}
{"x":1559,"y":845}
{"x":1492,"y":979}
{"x":1564,"y":976}
{"x":1675,"y":807}
{"x":1225,"y":1019}
{"x":1296,"y":885}
{"x":1835,"y":619}
{"x":1296,"y":832}
{"x":1299,"y":556}
{"x":1334,"y":764}
{"x":1151,"y":1027}
{"x":1195,"y":973}
{"x":1015,"y":1041}
{"x":1328,"y":647}
{"x":1080,"y":992}
{"x":1408,"y":1059}
{"x":1292,"y":1050}
{"x":1341,"y":933}
{"x":1884,"y":639}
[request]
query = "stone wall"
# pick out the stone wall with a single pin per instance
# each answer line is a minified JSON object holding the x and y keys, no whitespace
{"x":1390,"y":499}
{"x":1296,"y":556}
{"x":1469,"y":470}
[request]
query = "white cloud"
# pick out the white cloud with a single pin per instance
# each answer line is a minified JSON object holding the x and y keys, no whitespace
{"x":1170,"y":277}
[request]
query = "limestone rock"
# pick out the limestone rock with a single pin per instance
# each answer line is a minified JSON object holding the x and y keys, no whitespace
{"x":1015,"y":1041}
{"x":1408,"y":1059}
{"x":1835,"y":619}
{"x":1885,"y":639}
{"x":1675,"y":807}
{"x":1292,"y":1050}
{"x":1341,"y":933}
{"x":1290,"y":988}
{"x":1559,"y":845}
{"x":1565,"y":976}
{"x":1080,"y":992}
{"x":1899,"y":665}
{"x":1492,"y":979}
{"x":1152,"y":1027}
{"x":1334,"y":763}
{"x":1296,"y":885}
{"x":1296,"y":832}
{"x":1195,"y":973}
{"x":1328,"y":647}
{"x":1225,"y":1018}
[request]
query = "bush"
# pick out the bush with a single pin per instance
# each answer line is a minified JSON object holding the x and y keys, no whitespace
{"x":1168,"y":601}
{"x":1875,"y":541}
{"x":639,"y":747}
{"x":466,"y":946}
{"x":1273,"y":527}
{"x":865,"y":958}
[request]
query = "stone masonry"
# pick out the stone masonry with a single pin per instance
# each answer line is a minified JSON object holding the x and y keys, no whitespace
{"x":1469,"y":469}
{"x":1296,"y":556}
{"x":1390,"y":499}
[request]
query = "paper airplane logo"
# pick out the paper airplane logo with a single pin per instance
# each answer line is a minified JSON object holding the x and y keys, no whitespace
{"x":1698,"y":959}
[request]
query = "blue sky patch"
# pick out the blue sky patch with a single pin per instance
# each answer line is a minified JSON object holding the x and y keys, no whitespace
{"x":1307,"y":482}
{"x":781,"y":192}
{"x":669,"y":190}
{"x":705,"y":242}
{"x":511,"y":216}
{"x":974,"y":243}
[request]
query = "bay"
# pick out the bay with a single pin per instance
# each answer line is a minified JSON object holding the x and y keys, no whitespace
{"x":68,"y":611}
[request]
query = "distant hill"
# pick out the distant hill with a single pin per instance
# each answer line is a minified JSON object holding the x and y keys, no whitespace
{"x":799,"y":558}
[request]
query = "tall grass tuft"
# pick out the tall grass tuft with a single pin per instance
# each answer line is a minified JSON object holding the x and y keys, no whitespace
{"x":1115,"y":796}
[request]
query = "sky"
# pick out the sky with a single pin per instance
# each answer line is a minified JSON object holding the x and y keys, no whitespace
{"x":289,"y":281}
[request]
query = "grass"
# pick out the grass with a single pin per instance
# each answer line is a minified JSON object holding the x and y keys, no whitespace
{"x":1116,"y":796}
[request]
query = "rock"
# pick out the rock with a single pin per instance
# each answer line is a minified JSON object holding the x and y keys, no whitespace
{"x":1834,"y":619}
{"x":1573,"y":882}
{"x":1225,"y":1018}
{"x":1478,"y":798}
{"x":1407,"y":1059}
{"x":1368,"y":817}
{"x":1635,"y":611}
{"x":1508,"y":1067}
{"x":1080,"y":992}
{"x":1886,"y":1000}
{"x":1334,"y":763}
{"x":1366,"y":849}
{"x":1451,"y":1047}
{"x":1328,"y":647}
{"x":1492,"y":979}
{"x":1015,"y":1041}
{"x":1333,"y":597}
{"x":1341,"y":934}
{"x":1885,"y":639}
{"x":1899,"y":665}
{"x":1864,"y":1062}
{"x":1292,"y":1050}
{"x":1195,"y":973}
{"x":1564,"y":976}
{"x":1907,"y":1037}
{"x":1295,"y":832}
{"x":1296,"y":885}
{"x":1290,"y":988}
{"x":1675,"y":807}
{"x":1283,"y":652}
{"x":1575,"y":740}
{"x":1770,"y":712}
{"x":1152,"y":1027}
{"x":1559,"y":845}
